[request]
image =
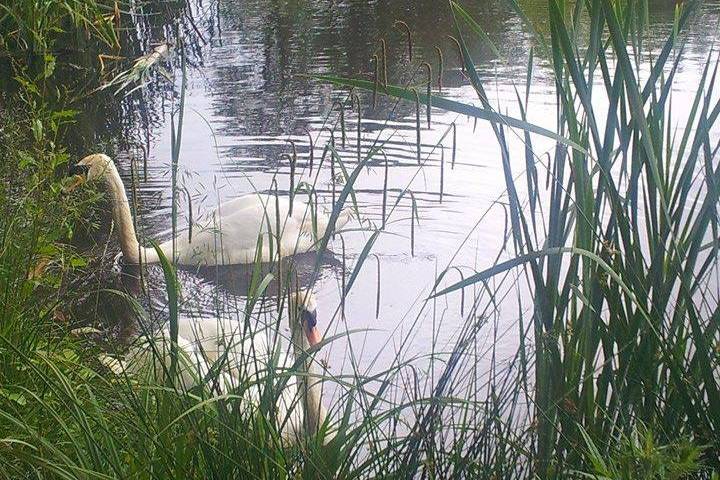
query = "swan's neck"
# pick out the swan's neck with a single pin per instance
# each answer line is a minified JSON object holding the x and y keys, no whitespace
{"x":310,"y":385}
{"x":131,"y":249}
{"x":314,"y":411}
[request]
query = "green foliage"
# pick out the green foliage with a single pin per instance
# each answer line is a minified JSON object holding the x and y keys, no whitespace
{"x":32,"y":29}
{"x":638,"y":455}
{"x":40,"y":367}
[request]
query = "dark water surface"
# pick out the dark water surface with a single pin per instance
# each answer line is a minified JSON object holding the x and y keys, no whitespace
{"x":250,"y":94}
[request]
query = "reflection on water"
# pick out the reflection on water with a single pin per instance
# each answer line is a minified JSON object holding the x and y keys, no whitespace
{"x":254,"y":94}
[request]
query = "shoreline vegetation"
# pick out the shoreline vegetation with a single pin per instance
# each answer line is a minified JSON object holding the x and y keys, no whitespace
{"x":615,"y":230}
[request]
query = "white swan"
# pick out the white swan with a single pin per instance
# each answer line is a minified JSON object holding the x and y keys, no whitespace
{"x":242,"y":358}
{"x":233,"y":239}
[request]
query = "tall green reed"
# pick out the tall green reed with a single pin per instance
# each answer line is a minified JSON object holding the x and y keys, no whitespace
{"x":619,"y":248}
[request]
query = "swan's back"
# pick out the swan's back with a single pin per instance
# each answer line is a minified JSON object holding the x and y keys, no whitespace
{"x":230,"y":233}
{"x":150,"y":358}
{"x":255,"y":359}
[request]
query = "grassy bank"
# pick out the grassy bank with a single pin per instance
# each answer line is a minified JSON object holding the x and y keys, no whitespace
{"x":615,"y":231}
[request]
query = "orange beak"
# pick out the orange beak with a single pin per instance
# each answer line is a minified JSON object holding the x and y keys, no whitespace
{"x":313,"y":335}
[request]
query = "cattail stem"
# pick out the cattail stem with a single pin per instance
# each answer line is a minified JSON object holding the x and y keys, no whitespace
{"x":277,"y":230}
{"x":408,"y":33}
{"x":293,"y":163}
{"x":133,"y":179}
{"x":440,"y":67}
{"x":385,"y":189}
{"x":413,"y":214}
{"x":343,"y":278}
{"x":331,"y":143}
{"x":312,"y":150}
{"x":342,"y":122}
{"x":454,"y":144}
{"x":377,"y":292}
{"x":460,"y":53}
{"x":412,"y":235}
{"x":429,"y":91}
{"x":383,"y":47}
{"x":145,"y":151}
{"x":442,"y":170}
{"x":190,"y":213}
{"x":376,"y":79}
{"x":417,"y":125}
{"x":332,"y":174}
{"x":356,"y":98}
{"x":313,"y":212}
{"x":462,"y":293}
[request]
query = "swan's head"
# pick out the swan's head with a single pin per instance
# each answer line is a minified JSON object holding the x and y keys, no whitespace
{"x":303,"y":310}
{"x":92,"y":167}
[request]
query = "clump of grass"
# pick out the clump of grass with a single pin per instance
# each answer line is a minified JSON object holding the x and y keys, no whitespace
{"x":32,"y":33}
{"x":139,"y":73}
{"x":638,"y":455}
{"x":40,"y":278}
{"x":33,"y":29}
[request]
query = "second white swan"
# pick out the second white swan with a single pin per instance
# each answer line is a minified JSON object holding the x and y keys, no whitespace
{"x":245,"y":361}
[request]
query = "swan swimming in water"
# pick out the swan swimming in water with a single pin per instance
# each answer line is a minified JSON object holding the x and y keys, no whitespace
{"x":239,"y":224}
{"x":243,"y":358}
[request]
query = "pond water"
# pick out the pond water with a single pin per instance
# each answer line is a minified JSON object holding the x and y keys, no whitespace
{"x":251,"y":92}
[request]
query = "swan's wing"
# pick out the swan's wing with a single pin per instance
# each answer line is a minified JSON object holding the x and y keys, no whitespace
{"x":149,"y":357}
{"x":231,"y":235}
{"x":252,"y":201}
{"x":249,"y":205}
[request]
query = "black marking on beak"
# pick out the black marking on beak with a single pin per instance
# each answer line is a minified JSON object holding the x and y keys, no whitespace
{"x":78,"y":170}
{"x":309,"y":318}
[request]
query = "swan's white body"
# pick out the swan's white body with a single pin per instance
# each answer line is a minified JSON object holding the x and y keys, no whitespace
{"x":237,"y":358}
{"x":230,"y":236}
{"x":255,"y":356}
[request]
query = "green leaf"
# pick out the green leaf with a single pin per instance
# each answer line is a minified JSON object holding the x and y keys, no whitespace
{"x":475,"y":27}
{"x":77,"y":262}
{"x":49,"y":65}
{"x":361,"y":260}
{"x":37,"y":129}
{"x":18,"y":398}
